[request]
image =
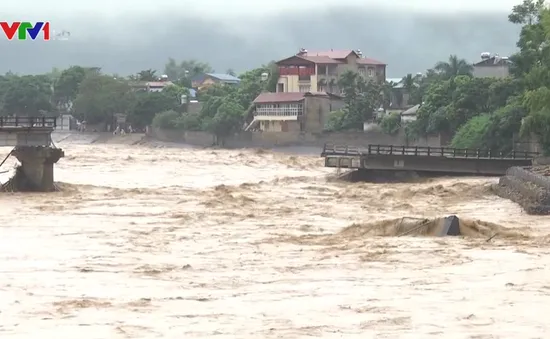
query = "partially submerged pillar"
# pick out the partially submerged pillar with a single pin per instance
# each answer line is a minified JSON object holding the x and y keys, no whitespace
{"x":36,"y":171}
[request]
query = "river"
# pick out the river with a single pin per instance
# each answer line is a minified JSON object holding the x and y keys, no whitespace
{"x":154,"y":241}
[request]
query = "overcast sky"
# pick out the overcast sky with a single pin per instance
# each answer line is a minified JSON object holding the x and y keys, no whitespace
{"x":125,"y":36}
{"x":220,"y":7}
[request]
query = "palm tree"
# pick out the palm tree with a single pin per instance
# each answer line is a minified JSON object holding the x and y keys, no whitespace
{"x":409,"y":82}
{"x":147,"y":75}
{"x":454,"y":67}
{"x":388,"y":93}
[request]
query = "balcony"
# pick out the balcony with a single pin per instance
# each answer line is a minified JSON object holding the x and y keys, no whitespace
{"x":278,"y":113}
{"x":303,"y":72}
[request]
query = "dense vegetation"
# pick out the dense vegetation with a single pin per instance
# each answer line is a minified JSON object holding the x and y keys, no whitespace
{"x":492,"y":113}
{"x":95,"y":97}
{"x":475,"y":112}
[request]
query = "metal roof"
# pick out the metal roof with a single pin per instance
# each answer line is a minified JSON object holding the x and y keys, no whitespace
{"x":411,"y":111}
{"x":224,"y":77}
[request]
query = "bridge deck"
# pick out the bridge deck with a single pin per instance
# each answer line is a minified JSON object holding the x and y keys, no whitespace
{"x":447,"y":152}
{"x":425,"y":159}
{"x":26,"y":131}
{"x":8,"y":124}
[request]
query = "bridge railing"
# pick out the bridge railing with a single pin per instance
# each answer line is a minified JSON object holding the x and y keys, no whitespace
{"x":448,"y":152}
{"x":28,"y":122}
{"x":342,"y":150}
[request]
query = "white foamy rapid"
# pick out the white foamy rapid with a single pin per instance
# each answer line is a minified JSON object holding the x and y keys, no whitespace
{"x":160,"y":242}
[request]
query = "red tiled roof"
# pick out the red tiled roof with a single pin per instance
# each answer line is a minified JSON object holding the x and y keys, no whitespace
{"x":333,"y":54}
{"x":332,"y":57}
{"x":369,"y":61}
{"x":266,"y":98}
{"x":321,"y":59}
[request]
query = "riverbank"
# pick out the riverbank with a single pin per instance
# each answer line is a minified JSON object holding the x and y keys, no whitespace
{"x":260,"y":139}
{"x":87,"y":138}
{"x":529,"y":187}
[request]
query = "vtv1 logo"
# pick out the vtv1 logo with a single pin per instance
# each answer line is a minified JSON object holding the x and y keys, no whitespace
{"x":25,"y":28}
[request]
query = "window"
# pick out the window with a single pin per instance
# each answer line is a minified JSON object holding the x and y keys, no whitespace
{"x":304,"y":88}
{"x":362,"y":71}
{"x":280,"y":88}
{"x":322,"y":70}
{"x":371,"y":73}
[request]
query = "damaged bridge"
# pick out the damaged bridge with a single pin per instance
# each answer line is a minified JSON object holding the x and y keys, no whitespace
{"x":424,"y":159}
{"x":32,"y":145}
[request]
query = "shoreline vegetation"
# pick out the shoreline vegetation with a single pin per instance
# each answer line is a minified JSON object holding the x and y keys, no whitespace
{"x":475,"y":112}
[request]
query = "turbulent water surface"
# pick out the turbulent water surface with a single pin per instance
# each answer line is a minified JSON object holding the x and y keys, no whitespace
{"x":161,"y":242}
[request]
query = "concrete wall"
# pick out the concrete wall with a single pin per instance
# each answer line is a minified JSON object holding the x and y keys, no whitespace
{"x":317,"y":111}
{"x":491,"y":71}
{"x":272,"y":139}
{"x":279,"y":126}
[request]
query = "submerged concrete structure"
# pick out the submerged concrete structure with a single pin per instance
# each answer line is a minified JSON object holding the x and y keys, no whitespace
{"x":442,"y":160}
{"x":31,"y":139}
{"x":37,"y":167}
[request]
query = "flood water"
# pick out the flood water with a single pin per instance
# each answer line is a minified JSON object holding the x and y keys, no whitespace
{"x":159,"y":242}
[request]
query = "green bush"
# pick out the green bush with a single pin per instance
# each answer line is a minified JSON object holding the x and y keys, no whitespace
{"x":166,"y":120}
{"x":335,"y":121}
{"x":473,"y":133}
{"x":189,"y":122}
{"x":391,"y":123}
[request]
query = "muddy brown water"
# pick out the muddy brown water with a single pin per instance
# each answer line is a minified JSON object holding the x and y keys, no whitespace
{"x":159,"y":242}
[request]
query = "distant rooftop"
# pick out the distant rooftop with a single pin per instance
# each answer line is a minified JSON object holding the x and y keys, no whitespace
{"x":333,"y":57}
{"x":224,"y":77}
{"x":494,"y":61}
{"x":270,"y":97}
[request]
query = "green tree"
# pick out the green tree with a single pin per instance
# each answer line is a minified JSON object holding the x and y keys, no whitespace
{"x":181,"y":73}
{"x":147,"y":75}
{"x":391,"y":123}
{"x":100,"y":97}
{"x":28,"y":95}
{"x":175,"y":92}
{"x":453,"y":67}
{"x":361,"y":98}
{"x":336,"y":120}
{"x":389,"y":92}
{"x":166,"y":120}
{"x":66,"y":86}
{"x":532,"y":37}
{"x":534,"y":58}
{"x":449,"y":104}
{"x":526,"y":13}
{"x":471,"y":134}
{"x":189,"y":122}
{"x":423,"y":81}
{"x":228,"y":119}
{"x":147,"y":104}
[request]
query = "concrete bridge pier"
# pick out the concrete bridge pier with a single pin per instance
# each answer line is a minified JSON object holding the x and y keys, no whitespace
{"x":37,"y":167}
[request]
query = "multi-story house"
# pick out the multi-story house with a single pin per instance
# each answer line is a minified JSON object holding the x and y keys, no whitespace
{"x":293,"y":111}
{"x":319,"y":71}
